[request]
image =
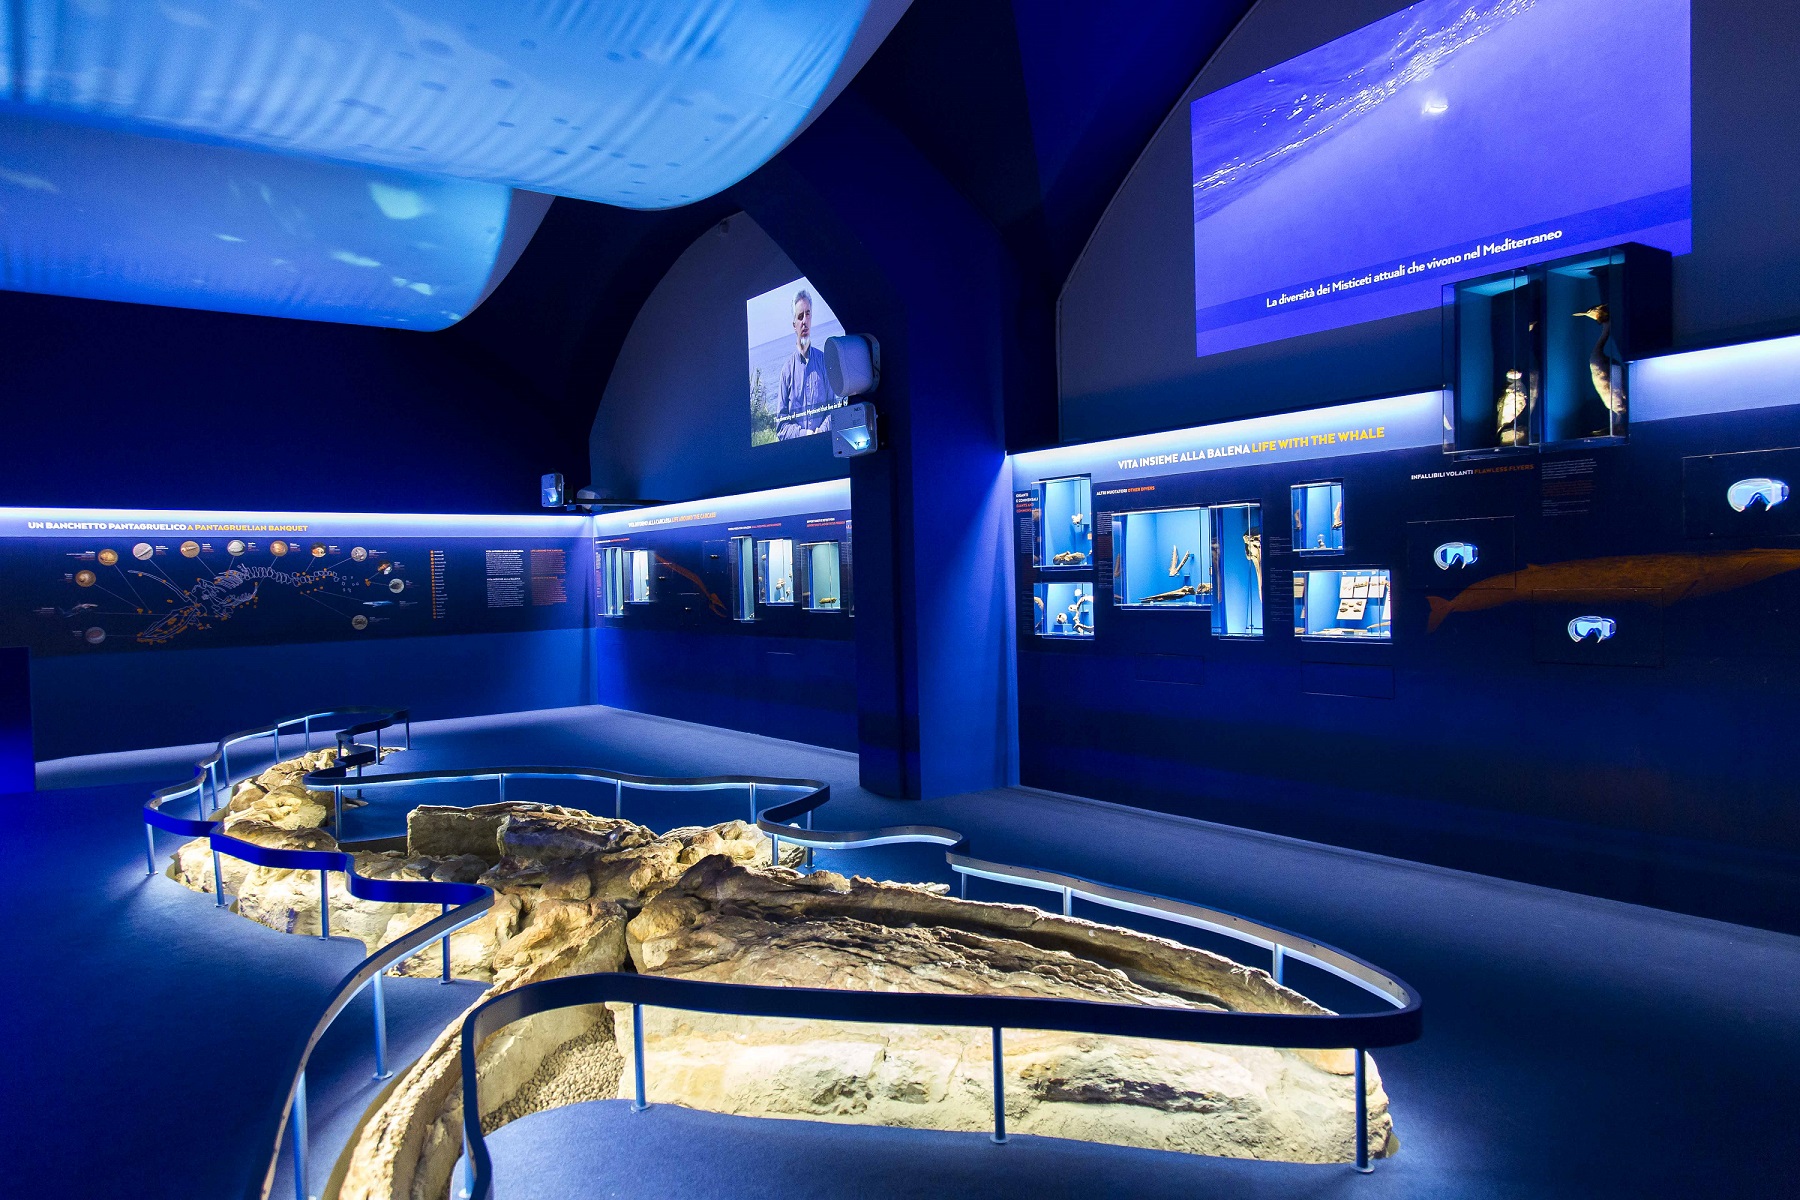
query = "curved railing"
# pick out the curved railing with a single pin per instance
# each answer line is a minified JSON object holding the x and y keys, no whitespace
{"x":996,"y":1013}
{"x":1350,"y":1030}
{"x":461,"y":903}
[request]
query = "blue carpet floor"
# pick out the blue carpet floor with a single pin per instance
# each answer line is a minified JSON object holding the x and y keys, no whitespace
{"x":1574,"y":1047}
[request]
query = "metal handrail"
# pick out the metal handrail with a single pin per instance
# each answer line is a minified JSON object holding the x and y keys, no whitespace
{"x":462,"y":903}
{"x":996,"y":1013}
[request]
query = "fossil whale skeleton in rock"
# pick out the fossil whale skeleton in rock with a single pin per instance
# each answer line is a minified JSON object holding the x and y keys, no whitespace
{"x":576,"y":892}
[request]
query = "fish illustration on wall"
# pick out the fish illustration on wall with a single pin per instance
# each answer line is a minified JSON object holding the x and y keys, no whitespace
{"x":1669,"y":578}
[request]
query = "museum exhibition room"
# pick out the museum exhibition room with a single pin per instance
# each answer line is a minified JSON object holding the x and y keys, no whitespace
{"x":900,"y":598}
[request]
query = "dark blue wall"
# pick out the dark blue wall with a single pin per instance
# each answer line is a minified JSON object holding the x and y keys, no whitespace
{"x":138,"y":407}
{"x":1654,"y":768}
{"x":1126,"y":318}
{"x":789,"y":673}
{"x":132,"y":406}
{"x":16,"y":761}
{"x":674,"y":421}
{"x":174,"y":697}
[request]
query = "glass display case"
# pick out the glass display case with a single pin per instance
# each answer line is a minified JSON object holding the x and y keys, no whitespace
{"x":612,"y":581}
{"x":1343,"y":605}
{"x":775,"y":571}
{"x":1063,"y":610}
{"x":1162,"y":558}
{"x":1318,"y":510}
{"x":1237,"y":550}
{"x":1584,"y":391}
{"x":1493,"y":349}
{"x":742,"y":566}
{"x":640,"y":576}
{"x":821,"y":587}
{"x":1064,"y":519}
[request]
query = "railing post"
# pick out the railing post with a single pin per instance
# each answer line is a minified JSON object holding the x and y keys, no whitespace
{"x":381,"y":1071}
{"x":637,"y":1057}
{"x":225,"y":760}
{"x":409,"y":733}
{"x":299,"y":1132}
{"x":1278,"y":963}
{"x":753,"y":804}
{"x":337,"y":810}
{"x":446,"y":942}
{"x":218,"y":878}
{"x":324,"y":905}
{"x":149,"y":848}
{"x":306,"y":724}
{"x":501,"y":776}
{"x":1068,"y":902}
{"x":1362,"y":1115}
{"x":999,"y":1134}
{"x":774,"y":851}
{"x":278,"y":741}
{"x":962,"y":884}
{"x":378,"y":743}
{"x":618,"y":799}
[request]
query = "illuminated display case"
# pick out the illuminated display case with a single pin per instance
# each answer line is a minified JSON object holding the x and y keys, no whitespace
{"x":775,"y":571}
{"x":1318,"y":512}
{"x":742,"y":565}
{"x":1162,"y":558}
{"x":612,"y":581}
{"x":1494,"y":352}
{"x":1237,"y":549}
{"x":821,"y":582}
{"x":640,"y":576}
{"x":1063,"y":610}
{"x":1343,"y":605}
{"x":1539,"y":355}
{"x":1064,"y":519}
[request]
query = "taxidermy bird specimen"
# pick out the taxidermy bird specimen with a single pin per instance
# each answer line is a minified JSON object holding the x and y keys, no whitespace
{"x":1600,"y":363}
{"x":1511,"y":409}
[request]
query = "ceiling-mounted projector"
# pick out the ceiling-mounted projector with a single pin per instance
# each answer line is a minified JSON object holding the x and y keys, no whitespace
{"x":853,"y":431}
{"x":852,"y":364}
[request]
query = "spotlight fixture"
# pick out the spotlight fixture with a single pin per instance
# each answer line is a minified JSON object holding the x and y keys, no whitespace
{"x":853,"y":430}
{"x":551,"y":491}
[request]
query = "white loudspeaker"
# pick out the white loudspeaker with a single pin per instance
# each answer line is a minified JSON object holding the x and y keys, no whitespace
{"x":852,"y":364}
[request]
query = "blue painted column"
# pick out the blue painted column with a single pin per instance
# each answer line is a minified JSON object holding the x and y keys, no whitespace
{"x":905,"y":257}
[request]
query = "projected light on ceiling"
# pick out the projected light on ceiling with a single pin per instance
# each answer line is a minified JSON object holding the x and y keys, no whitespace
{"x":638,"y":103}
{"x":113,"y":216}
{"x":1452,"y":139}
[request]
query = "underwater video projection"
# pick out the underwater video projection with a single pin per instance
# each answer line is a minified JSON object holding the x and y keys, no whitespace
{"x":786,"y":328}
{"x":1453,"y":138}
{"x":110,"y":582}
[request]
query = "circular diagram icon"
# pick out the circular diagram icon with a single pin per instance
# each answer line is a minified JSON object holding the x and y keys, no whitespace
{"x":142,"y":551}
{"x":318,"y":549}
{"x":190,"y":549}
{"x":396,"y":585}
{"x":84,"y":579}
{"x":108,"y":557}
{"x":94,"y":636}
{"x":234,"y":547}
{"x":359,"y":622}
{"x":359,"y":553}
{"x":278,"y":548}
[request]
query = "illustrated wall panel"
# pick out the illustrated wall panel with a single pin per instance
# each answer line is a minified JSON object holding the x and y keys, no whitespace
{"x":143,"y":623}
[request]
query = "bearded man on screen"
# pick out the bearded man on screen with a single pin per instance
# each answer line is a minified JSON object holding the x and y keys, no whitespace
{"x":804,"y":400}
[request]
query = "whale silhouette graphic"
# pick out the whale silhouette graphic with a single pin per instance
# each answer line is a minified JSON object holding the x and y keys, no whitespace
{"x":1600,"y":627}
{"x":1744,"y":494}
{"x":1661,"y":579}
{"x":1454,"y":554}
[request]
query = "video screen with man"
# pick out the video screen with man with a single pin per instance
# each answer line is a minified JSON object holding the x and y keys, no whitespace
{"x":789,"y":397}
